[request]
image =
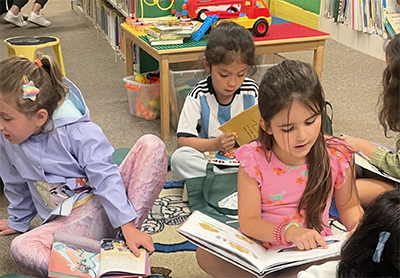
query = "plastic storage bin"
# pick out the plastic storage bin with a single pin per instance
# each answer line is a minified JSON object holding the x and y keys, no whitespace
{"x":143,"y":99}
{"x":261,"y":69}
{"x":181,"y":82}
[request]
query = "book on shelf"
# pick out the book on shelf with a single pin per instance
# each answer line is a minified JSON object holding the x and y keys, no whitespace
{"x":154,"y":41}
{"x":75,"y":256}
{"x":248,"y":254}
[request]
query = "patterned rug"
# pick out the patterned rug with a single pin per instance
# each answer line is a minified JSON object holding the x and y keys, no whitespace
{"x":174,"y":256}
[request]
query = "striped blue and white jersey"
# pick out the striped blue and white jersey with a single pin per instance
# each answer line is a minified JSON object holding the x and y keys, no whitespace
{"x":202,"y":114}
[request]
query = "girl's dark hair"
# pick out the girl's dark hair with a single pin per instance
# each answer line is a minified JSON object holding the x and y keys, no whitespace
{"x":381,"y":215}
{"x":389,"y":115}
{"x":281,"y":86}
{"x":48,"y":78}
{"x":228,"y":42}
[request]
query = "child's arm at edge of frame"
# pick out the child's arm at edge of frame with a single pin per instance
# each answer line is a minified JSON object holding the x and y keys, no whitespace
{"x":347,"y":202}
{"x":249,"y":198}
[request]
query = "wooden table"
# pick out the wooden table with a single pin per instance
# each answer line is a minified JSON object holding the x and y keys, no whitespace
{"x":315,"y":43}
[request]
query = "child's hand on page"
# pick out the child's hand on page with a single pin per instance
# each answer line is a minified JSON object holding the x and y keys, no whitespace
{"x":305,"y":239}
{"x":4,"y":229}
{"x":226,"y":141}
{"x":135,"y":238}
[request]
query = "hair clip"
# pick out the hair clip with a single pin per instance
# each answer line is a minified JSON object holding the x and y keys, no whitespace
{"x":383,"y":237}
{"x":38,"y":62}
{"x":29,"y":89}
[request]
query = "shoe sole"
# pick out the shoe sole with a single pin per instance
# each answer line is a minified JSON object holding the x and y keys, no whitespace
{"x":38,"y":23}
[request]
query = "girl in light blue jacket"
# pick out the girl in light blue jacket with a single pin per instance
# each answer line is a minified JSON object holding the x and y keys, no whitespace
{"x":56,"y":163}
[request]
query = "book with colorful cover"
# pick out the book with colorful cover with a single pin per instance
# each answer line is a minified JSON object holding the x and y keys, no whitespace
{"x":248,"y":254}
{"x":74,"y":256}
{"x":116,"y":260}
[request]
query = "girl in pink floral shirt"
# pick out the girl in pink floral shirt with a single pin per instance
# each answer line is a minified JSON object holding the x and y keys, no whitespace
{"x":288,"y":176}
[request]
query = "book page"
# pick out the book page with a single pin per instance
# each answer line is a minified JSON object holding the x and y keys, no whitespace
{"x":115,"y":257}
{"x":233,"y":244}
{"x":363,"y":161}
{"x":246,"y":125}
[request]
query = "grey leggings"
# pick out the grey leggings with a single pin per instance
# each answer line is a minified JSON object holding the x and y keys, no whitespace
{"x":21,"y":3}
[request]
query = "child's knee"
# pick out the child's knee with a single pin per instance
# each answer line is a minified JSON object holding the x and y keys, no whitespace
{"x":16,"y":248}
{"x":153,"y":144}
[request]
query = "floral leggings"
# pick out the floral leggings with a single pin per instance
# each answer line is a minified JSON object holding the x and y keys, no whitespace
{"x":143,"y":172}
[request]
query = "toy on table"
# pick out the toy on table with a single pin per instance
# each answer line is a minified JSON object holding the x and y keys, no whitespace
{"x":204,"y":27}
{"x":184,"y":9}
{"x":251,"y":14}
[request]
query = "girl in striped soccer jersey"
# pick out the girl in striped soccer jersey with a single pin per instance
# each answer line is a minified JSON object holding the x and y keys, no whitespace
{"x":225,"y":93}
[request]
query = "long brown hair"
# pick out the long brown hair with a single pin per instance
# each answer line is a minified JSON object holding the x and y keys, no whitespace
{"x":389,"y":114}
{"x":281,"y":86}
{"x":48,"y":78}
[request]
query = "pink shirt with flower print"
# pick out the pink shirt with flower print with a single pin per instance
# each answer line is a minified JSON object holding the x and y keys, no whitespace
{"x":281,"y":186}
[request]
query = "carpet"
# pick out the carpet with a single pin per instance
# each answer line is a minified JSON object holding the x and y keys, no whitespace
{"x":172,"y":251}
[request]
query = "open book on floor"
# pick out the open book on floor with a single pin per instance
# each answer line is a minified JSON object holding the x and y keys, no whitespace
{"x":75,"y":256}
{"x":363,"y":161}
{"x":236,"y":248}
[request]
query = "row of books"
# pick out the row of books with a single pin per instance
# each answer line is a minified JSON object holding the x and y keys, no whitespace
{"x":107,"y":20}
{"x":368,"y":16}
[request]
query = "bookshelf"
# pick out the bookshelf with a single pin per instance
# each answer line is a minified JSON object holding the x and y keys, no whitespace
{"x":107,"y":16}
{"x":371,"y":44}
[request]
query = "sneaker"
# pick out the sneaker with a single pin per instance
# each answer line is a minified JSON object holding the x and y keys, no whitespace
{"x":17,"y":20}
{"x":38,"y":19}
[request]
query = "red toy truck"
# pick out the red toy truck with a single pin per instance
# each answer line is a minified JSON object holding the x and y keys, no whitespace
{"x":197,"y":8}
{"x":252,"y":14}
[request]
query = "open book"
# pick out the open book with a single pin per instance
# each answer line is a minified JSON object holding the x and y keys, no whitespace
{"x":364,"y":161}
{"x":236,"y":248}
{"x":75,"y":256}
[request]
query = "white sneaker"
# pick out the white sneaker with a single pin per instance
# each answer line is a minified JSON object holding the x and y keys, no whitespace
{"x":17,"y":20}
{"x":38,"y":19}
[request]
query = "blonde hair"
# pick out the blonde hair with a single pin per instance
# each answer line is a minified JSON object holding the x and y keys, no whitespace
{"x":47,"y":77}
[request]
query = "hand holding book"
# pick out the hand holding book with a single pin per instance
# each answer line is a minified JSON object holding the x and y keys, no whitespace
{"x":135,"y":238}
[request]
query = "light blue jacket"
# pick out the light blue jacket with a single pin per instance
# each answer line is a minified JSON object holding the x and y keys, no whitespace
{"x":77,"y":148}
